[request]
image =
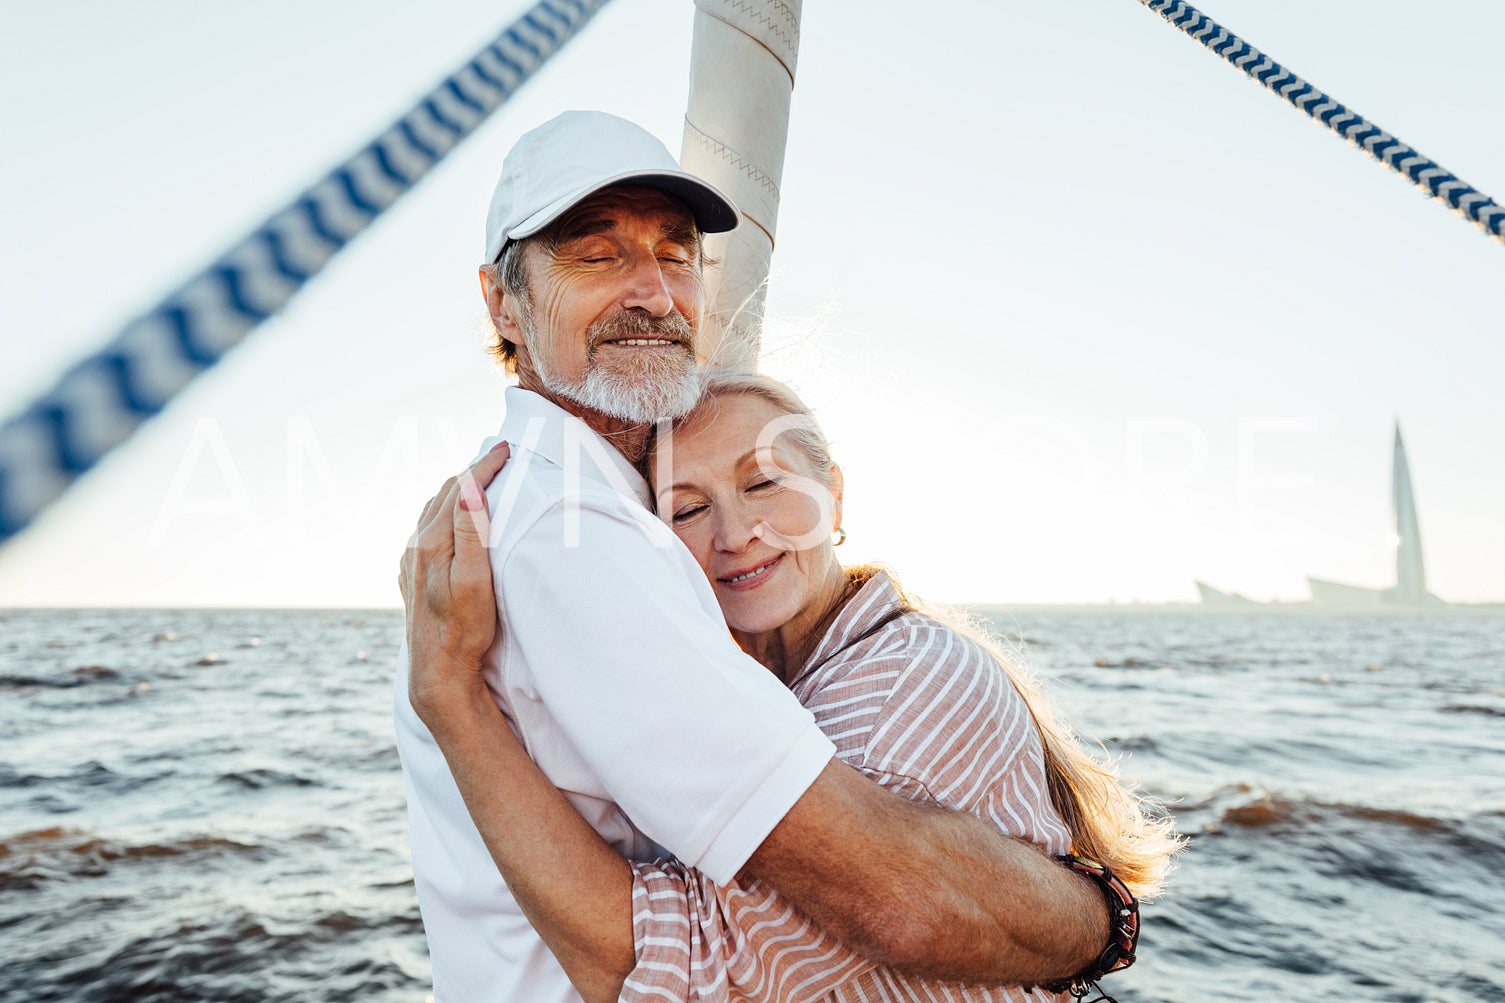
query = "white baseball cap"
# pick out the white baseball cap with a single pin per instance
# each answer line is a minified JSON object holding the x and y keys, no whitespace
{"x":576,"y":154}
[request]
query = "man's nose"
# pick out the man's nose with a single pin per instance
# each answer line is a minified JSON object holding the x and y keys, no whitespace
{"x":647,"y":289}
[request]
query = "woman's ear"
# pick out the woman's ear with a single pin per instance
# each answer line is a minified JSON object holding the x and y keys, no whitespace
{"x":836,"y":487}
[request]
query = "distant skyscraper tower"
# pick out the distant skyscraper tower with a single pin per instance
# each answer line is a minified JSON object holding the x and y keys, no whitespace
{"x":1410,"y":588}
{"x":1410,"y":574}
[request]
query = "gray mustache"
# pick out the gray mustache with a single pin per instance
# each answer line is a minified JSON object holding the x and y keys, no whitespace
{"x":635,"y":324}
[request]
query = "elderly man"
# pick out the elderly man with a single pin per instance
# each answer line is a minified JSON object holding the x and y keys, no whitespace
{"x":614,"y":666}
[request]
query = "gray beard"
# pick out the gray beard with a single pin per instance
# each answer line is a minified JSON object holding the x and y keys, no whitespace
{"x":658,"y":385}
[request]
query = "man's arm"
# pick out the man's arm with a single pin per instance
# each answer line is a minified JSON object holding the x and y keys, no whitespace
{"x":927,"y":890}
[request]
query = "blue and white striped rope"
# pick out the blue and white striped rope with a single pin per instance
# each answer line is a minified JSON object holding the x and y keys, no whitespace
{"x":1425,"y":173}
{"x":98,"y":403}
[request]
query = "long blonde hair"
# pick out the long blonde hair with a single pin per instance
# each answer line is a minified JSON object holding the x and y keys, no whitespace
{"x":1110,"y":820}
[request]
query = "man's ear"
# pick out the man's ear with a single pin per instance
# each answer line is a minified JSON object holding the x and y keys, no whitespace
{"x":500,"y":306}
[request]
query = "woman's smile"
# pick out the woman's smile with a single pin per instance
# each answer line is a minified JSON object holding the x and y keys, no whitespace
{"x":750,"y":578}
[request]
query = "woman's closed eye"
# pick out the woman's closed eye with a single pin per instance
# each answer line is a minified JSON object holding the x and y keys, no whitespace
{"x":689,"y":512}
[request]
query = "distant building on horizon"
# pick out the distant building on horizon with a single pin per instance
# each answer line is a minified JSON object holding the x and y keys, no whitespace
{"x":1217,"y":597}
{"x":1410,"y":588}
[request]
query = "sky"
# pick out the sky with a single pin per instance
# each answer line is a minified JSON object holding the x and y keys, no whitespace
{"x":1086,"y":315}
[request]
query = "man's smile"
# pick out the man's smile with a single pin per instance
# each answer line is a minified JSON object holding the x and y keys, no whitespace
{"x":643,"y":342}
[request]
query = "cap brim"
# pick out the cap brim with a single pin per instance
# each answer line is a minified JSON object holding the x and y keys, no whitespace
{"x":713,"y":211}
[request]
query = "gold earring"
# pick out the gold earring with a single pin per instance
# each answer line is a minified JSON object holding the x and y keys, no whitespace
{"x":841,"y":536}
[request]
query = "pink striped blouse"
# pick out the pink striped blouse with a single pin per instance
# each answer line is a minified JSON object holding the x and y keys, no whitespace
{"x":922,"y":711}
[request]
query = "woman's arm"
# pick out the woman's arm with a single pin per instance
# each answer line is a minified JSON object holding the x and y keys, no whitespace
{"x":573,"y":886}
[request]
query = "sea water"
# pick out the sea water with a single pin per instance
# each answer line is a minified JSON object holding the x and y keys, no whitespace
{"x":206,"y":805}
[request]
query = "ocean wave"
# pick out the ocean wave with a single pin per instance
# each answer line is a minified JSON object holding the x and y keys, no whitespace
{"x":259,"y":779}
{"x":1473,"y":709}
{"x":1124,"y":663}
{"x":1176,"y":659}
{"x":222,"y":954}
{"x":12,"y":777}
{"x":29,"y":859}
{"x":1456,"y":859}
{"x":91,"y":777}
{"x":1273,"y":810}
{"x":81,"y":676}
{"x":1459,"y":686}
{"x":1133,"y":743}
{"x":1348,"y":900}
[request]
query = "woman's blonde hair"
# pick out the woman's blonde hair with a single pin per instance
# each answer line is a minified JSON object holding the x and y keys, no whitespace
{"x":1110,"y":821}
{"x":804,"y":432}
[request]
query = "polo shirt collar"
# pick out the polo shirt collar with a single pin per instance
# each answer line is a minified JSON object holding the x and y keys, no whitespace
{"x":553,"y":428}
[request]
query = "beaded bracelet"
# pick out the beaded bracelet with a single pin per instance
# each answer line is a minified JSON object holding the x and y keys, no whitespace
{"x":1123,"y":932}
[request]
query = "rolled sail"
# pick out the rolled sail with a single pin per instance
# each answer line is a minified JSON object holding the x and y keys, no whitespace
{"x":741,"y":78}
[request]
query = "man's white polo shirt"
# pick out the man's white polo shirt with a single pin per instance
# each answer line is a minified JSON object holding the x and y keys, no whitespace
{"x":616,"y":669}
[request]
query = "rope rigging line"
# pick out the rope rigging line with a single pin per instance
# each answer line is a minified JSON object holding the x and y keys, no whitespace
{"x":98,"y":403}
{"x":1425,"y":173}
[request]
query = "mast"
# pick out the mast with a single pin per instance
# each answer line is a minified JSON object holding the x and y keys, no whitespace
{"x":1410,"y":575}
{"x":741,"y":79}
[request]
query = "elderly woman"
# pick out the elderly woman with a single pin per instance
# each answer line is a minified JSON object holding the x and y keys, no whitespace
{"x":917,"y":701}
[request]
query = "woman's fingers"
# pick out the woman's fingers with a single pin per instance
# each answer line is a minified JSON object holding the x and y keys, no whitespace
{"x":436,"y":509}
{"x":484,"y":469}
{"x":445,"y":573}
{"x":434,"y":502}
{"x":471,"y":523}
{"x":473,"y":598}
{"x":429,"y":508}
{"x":432,"y":538}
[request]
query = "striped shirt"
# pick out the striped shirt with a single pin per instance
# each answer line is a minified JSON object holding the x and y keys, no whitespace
{"x":921,"y":710}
